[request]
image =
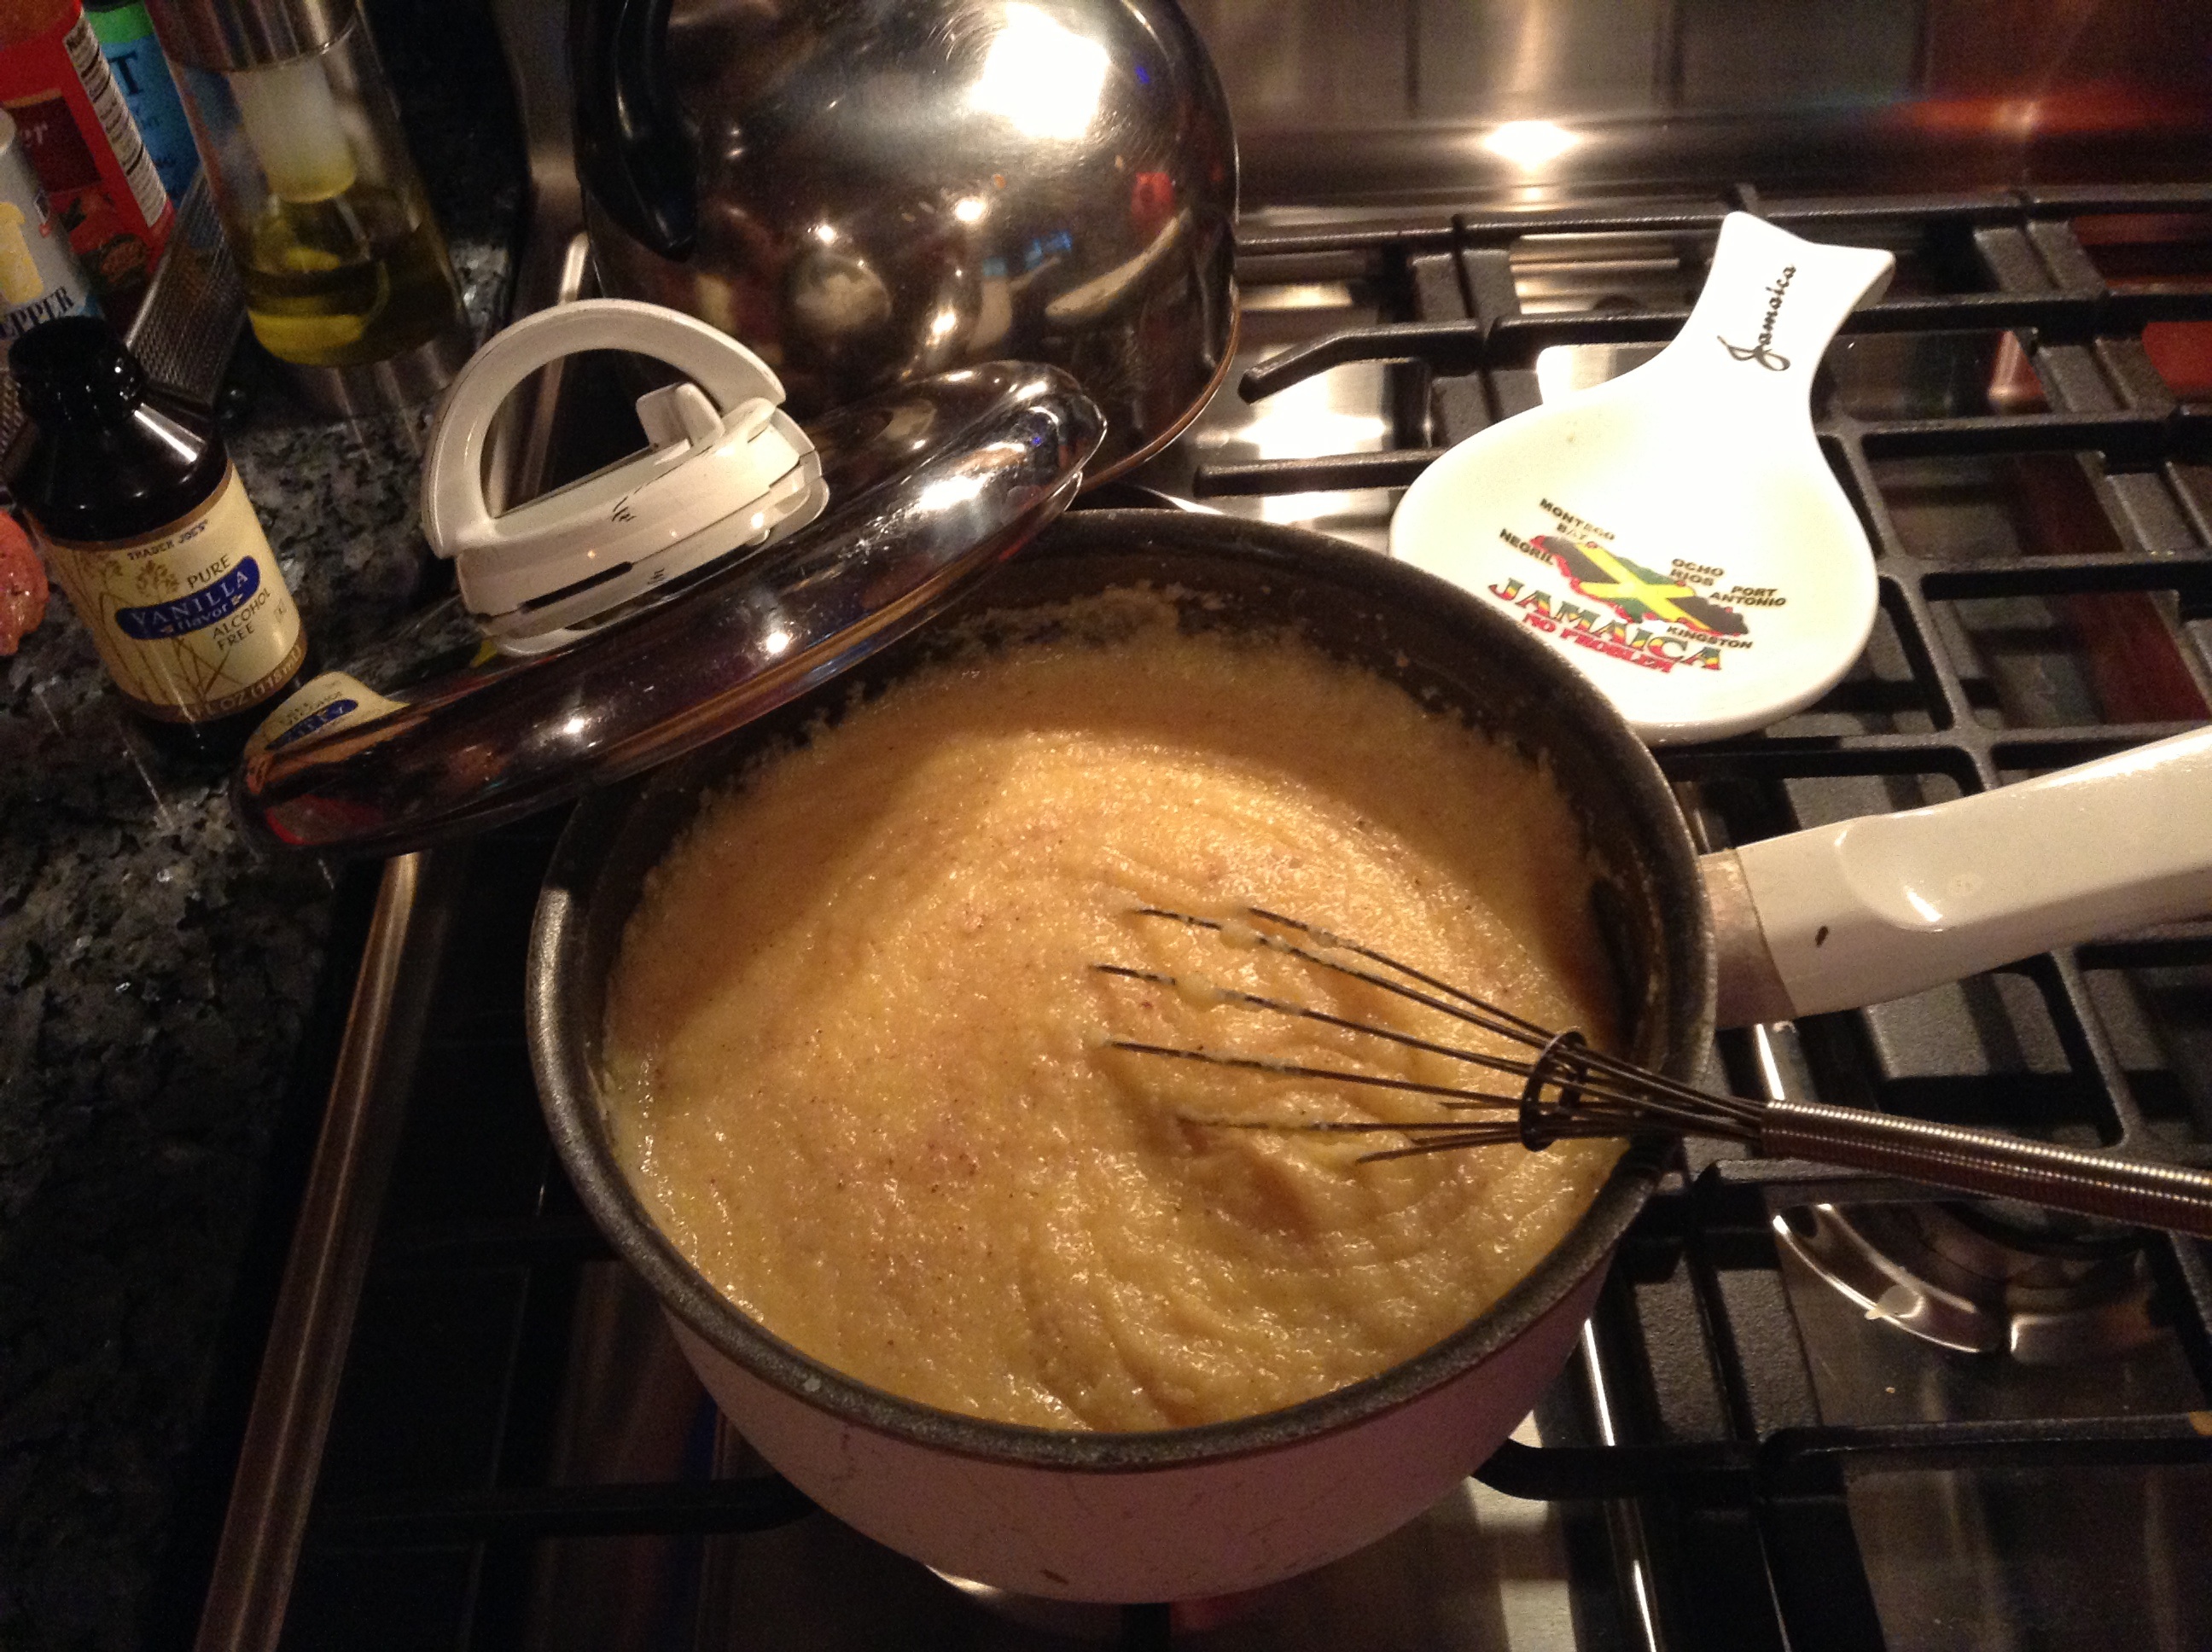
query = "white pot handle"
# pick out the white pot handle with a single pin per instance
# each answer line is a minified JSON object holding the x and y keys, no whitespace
{"x":1879,"y":907}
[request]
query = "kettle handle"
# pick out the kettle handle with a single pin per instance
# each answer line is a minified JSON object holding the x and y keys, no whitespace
{"x":632,"y":152}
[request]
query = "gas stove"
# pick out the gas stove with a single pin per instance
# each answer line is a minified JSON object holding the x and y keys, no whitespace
{"x":1813,"y":1409}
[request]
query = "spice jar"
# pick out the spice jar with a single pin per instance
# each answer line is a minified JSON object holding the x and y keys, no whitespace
{"x":80,"y":139}
{"x":39,"y":278}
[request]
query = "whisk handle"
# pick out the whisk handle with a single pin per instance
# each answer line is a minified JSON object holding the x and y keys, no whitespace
{"x":1993,"y":1166}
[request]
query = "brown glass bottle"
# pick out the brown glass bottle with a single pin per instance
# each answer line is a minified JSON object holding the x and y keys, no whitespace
{"x":146,"y":527}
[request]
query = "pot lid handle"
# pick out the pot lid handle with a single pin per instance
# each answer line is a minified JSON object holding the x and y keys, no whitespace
{"x":454,"y":506}
{"x":930,"y":485}
{"x":724,"y":469}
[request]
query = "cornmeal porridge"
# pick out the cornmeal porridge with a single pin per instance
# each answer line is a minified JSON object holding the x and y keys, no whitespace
{"x":855,"y":1048}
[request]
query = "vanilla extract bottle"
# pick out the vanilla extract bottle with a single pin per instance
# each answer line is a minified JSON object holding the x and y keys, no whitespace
{"x":146,"y":527}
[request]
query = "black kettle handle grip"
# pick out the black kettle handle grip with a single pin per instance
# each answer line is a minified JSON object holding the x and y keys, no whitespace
{"x":632,"y":153}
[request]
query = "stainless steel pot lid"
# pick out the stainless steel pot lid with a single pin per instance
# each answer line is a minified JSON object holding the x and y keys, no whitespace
{"x":929,"y":485}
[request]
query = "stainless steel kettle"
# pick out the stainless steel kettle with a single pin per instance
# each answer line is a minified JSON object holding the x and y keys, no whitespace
{"x":867,"y":192}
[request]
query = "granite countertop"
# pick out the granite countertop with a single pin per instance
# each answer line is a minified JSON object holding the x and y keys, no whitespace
{"x":169,"y":999}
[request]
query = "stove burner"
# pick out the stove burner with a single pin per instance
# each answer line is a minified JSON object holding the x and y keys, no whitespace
{"x":1984,"y":1280}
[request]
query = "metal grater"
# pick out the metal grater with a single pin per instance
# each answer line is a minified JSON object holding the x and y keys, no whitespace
{"x":185,"y":329}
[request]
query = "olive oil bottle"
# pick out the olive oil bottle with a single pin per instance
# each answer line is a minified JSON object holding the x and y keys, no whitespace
{"x":346,"y":277}
{"x":342,"y":260}
{"x":347,"y":280}
{"x":148,"y":529}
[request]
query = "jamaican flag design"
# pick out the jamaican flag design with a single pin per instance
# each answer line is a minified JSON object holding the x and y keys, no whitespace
{"x":1634,"y":592}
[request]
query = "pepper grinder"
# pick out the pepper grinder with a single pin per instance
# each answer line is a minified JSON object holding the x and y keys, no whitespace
{"x":347,"y":279}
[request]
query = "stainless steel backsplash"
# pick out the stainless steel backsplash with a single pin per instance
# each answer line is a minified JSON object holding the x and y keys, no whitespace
{"x":1911,"y":94}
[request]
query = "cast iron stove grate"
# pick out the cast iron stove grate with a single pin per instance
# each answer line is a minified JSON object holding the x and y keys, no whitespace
{"x":2054,"y":604}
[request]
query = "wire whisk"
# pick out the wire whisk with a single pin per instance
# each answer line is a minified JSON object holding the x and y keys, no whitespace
{"x":1566,"y":1087}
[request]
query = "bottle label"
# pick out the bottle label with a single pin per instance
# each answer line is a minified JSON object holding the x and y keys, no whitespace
{"x":39,"y":280}
{"x":126,"y":39}
{"x":80,"y":138}
{"x":330,"y":703}
{"x":193,"y":622}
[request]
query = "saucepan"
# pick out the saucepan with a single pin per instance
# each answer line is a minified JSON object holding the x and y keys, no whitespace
{"x":1229,"y":1506}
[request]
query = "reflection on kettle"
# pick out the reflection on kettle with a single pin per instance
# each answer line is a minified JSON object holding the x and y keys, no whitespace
{"x":869,"y":191}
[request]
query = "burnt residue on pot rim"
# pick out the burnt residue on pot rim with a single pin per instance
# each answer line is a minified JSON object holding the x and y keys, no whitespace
{"x":1440,"y":644}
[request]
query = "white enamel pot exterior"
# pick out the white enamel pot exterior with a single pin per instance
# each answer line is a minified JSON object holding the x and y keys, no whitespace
{"x":1211,"y":1526}
{"x":1230,"y":1506}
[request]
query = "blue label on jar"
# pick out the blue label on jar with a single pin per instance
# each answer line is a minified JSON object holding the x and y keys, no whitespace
{"x":217,"y":601}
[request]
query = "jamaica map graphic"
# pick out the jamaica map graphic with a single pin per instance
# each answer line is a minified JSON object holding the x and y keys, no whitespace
{"x":1634,"y":592}
{"x":1682,"y":618}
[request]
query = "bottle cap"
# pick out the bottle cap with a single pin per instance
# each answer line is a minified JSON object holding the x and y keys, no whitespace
{"x":233,"y":34}
{"x":76,"y":370}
